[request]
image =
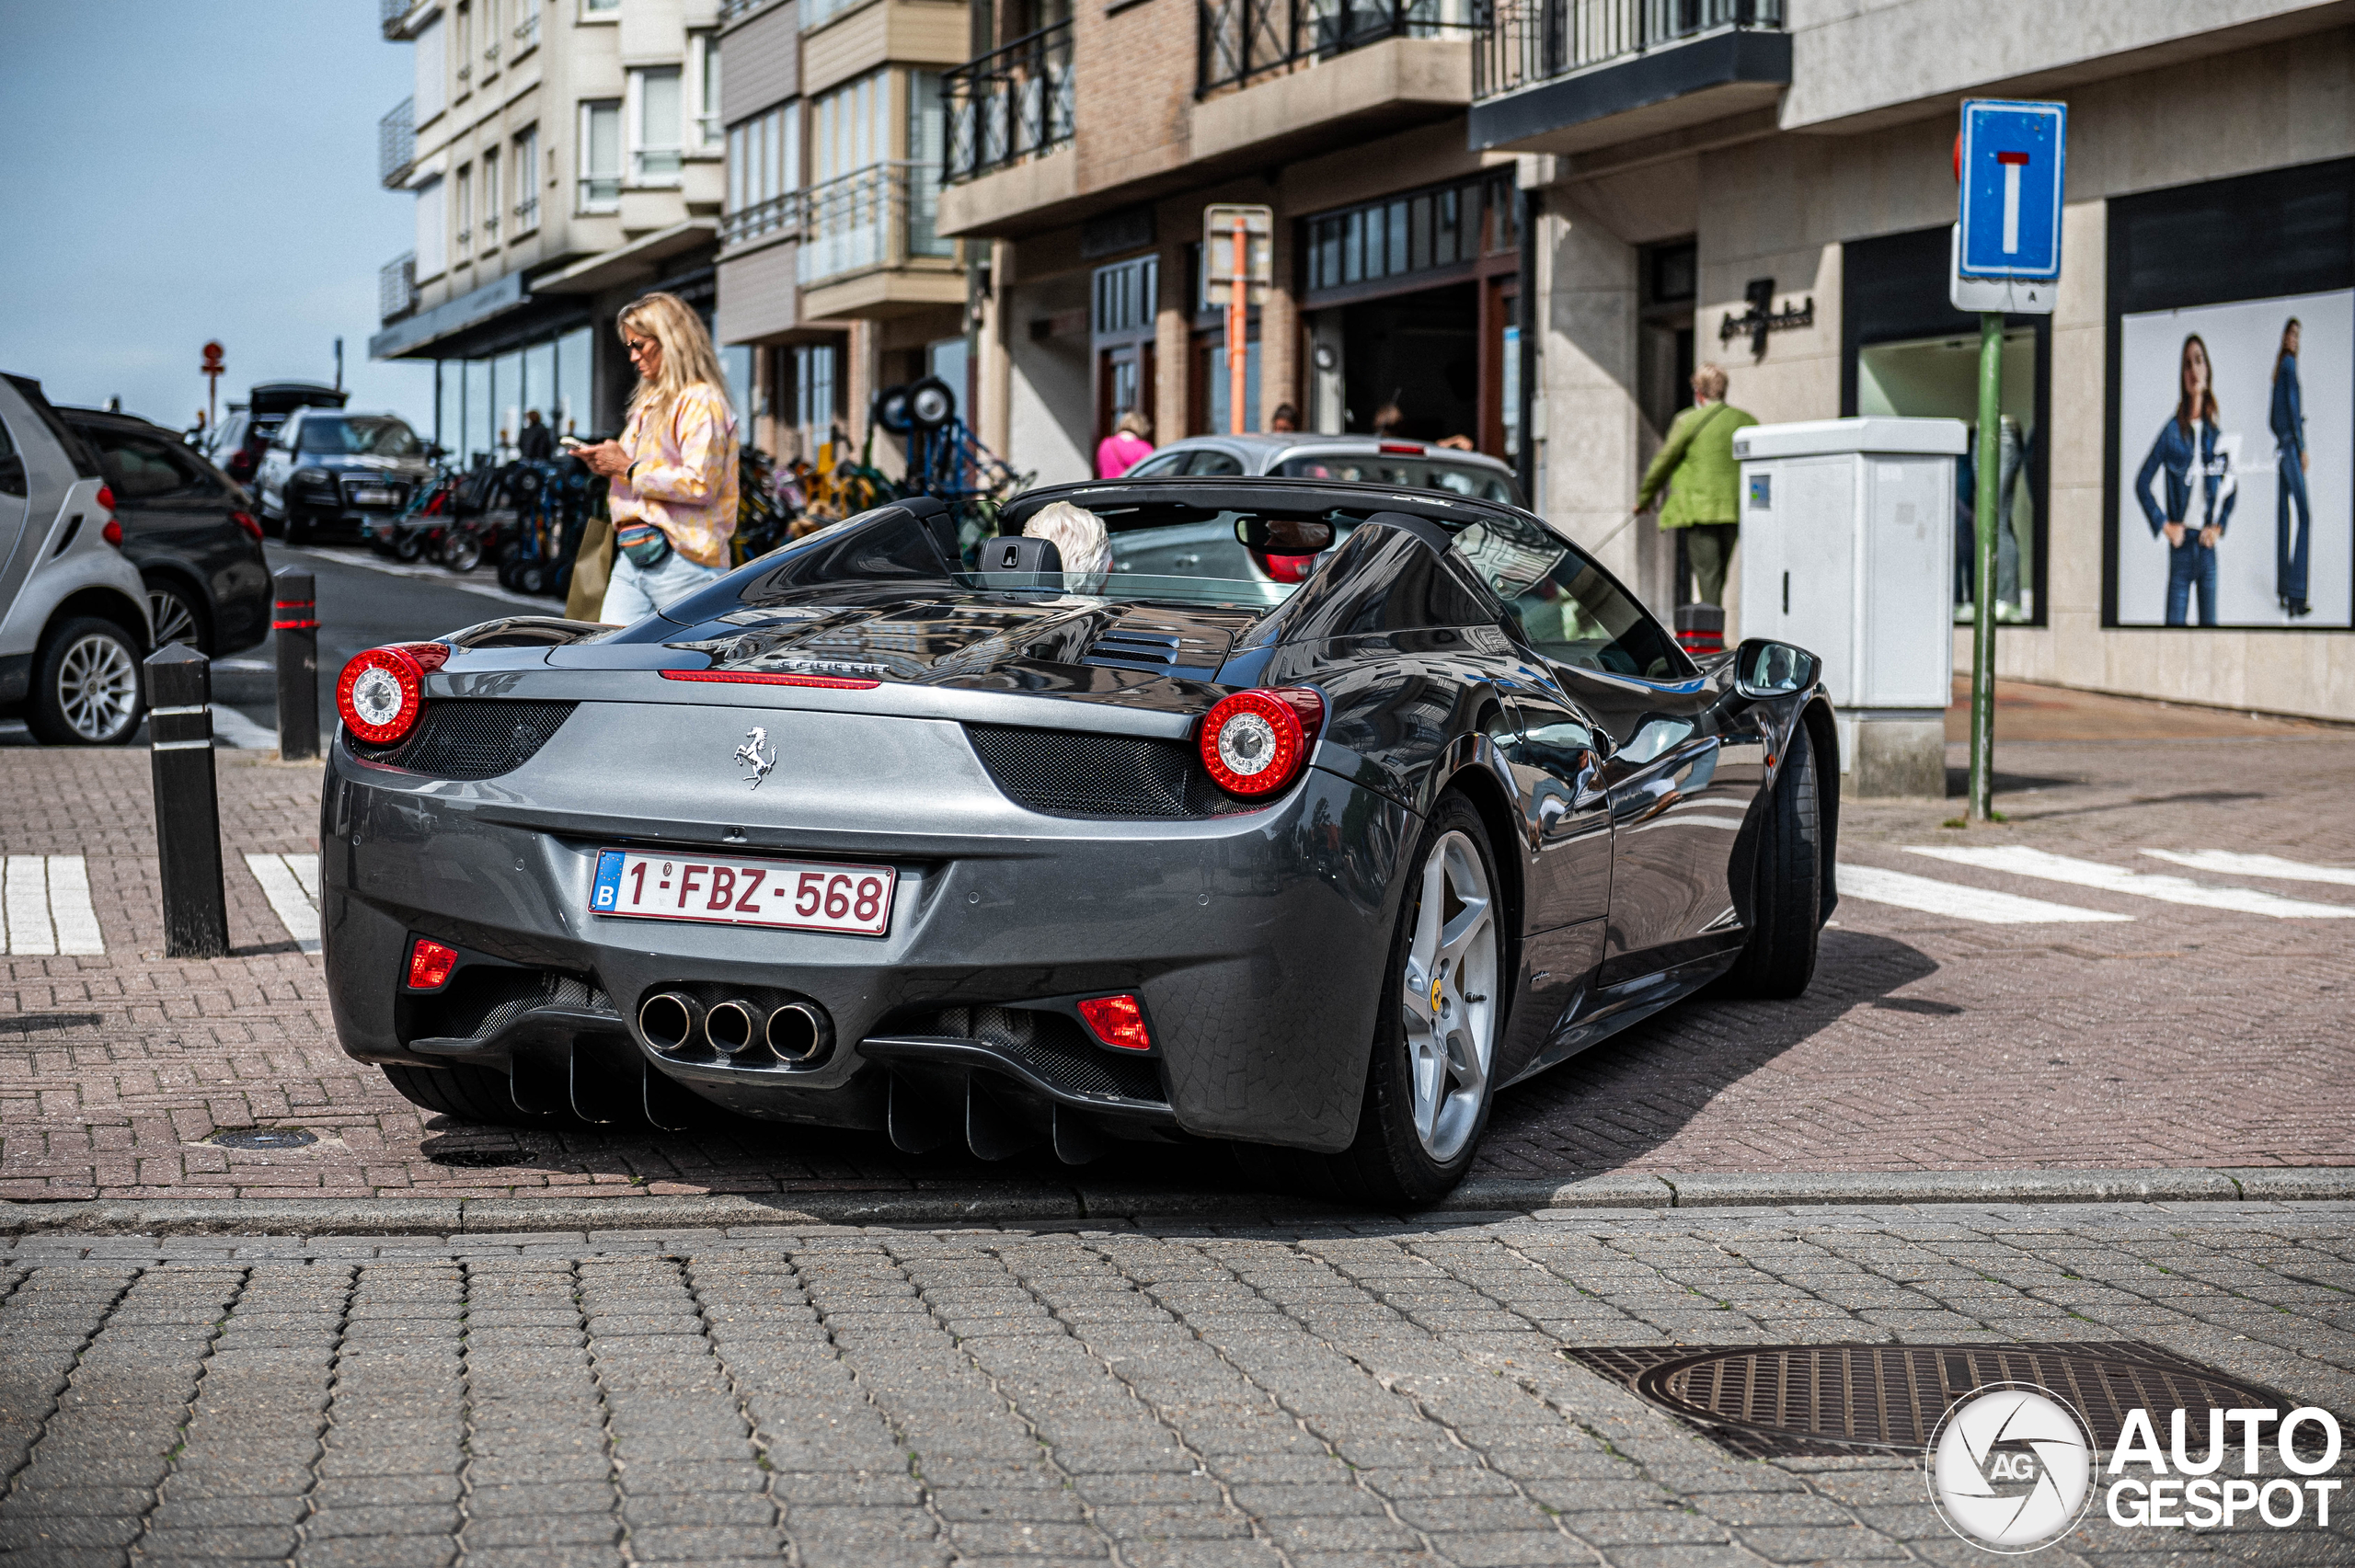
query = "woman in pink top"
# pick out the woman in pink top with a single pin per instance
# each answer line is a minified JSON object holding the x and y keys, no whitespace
{"x":673,"y":471}
{"x":1130,"y":443}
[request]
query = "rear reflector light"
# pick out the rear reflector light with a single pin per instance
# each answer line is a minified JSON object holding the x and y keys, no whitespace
{"x":1254,"y":743}
{"x":113,"y":534}
{"x":106,"y":496}
{"x":1117,"y":1021}
{"x":430,"y":963}
{"x":382,"y":692}
{"x":245,"y":520}
{"x":752,"y":677}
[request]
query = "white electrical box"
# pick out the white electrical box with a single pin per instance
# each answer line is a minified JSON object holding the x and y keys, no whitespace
{"x":1847,"y":550}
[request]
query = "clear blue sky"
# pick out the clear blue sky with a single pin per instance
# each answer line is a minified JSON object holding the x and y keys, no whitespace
{"x":184,"y":169}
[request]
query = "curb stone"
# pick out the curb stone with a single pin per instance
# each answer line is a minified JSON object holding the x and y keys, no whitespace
{"x":1485,"y":1198}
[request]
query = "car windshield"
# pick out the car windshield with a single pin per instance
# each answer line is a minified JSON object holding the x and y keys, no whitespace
{"x":1408,"y":473}
{"x":369,"y":435}
{"x":1174,"y":554}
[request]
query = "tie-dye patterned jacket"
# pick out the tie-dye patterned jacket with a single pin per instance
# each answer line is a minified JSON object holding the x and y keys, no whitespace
{"x":684,"y":479}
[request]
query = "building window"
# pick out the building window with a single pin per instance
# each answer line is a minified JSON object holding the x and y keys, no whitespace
{"x":816,"y":398}
{"x":702,"y":78}
{"x":600,"y":10}
{"x":601,"y":156}
{"x":851,"y":127}
{"x":655,"y":111}
{"x":527,"y":181}
{"x":763,"y":173}
{"x":1424,"y":232}
{"x":432,"y":226}
{"x":433,"y":79}
{"x":463,"y":47}
{"x":465,"y":205}
{"x":489,"y":197}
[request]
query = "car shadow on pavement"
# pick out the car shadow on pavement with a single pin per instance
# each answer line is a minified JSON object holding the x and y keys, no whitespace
{"x":1599,"y":1111}
{"x":1609,"y":1106}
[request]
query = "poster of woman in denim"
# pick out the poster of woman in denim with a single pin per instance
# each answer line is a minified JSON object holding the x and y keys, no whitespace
{"x":2196,"y":464}
{"x":2290,"y":460}
{"x":2203,"y":392}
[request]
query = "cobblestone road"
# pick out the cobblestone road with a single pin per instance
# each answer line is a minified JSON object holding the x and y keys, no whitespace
{"x":1341,"y":1395}
{"x":2185,"y":1035}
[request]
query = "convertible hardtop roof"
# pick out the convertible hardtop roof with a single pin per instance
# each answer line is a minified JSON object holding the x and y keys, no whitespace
{"x":1305,"y":497}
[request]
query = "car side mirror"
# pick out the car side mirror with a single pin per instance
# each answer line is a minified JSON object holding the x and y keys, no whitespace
{"x":1763,"y":668}
{"x":1285,"y":535}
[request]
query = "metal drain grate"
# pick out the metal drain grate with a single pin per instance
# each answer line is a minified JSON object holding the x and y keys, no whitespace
{"x":1775,"y":1401}
{"x":263,"y":1138}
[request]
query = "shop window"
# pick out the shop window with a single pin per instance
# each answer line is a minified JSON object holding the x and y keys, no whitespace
{"x":2221,"y":412}
{"x":1907,"y":352}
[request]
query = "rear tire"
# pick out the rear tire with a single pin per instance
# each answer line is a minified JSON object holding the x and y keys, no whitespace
{"x":463,"y":1091}
{"x":177,"y":616}
{"x":1787,"y":893}
{"x":85,"y":686}
{"x":1431,"y":1079}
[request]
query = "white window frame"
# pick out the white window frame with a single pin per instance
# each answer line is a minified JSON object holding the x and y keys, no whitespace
{"x":636,"y":149}
{"x":584,"y":199}
{"x":526,"y":181}
{"x":462,"y":36}
{"x":489,"y":191}
{"x":462,"y":185}
{"x":699,"y":96}
{"x":601,"y":10}
{"x":433,"y":230}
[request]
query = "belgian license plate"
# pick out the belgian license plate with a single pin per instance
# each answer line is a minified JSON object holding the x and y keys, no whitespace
{"x":374,"y":495}
{"x":800,"y":895}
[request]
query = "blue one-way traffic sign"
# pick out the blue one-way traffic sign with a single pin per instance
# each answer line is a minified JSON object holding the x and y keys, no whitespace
{"x":2013,"y":159}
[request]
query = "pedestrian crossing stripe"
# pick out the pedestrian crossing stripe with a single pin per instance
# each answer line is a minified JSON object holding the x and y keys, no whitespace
{"x":2233,"y":862}
{"x":1932,"y":896}
{"x":45,"y":908}
{"x":2021,"y":861}
{"x":291,"y":883}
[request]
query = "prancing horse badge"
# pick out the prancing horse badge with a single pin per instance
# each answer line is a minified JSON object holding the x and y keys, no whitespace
{"x":756,"y":754}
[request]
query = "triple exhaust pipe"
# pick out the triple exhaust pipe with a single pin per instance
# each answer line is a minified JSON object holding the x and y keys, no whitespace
{"x":797,"y":1033}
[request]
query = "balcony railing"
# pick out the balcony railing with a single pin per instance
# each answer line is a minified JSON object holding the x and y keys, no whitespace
{"x":527,"y":31}
{"x":397,"y":144}
{"x":763,"y":218}
{"x":1242,"y":40}
{"x":1533,"y":40}
{"x":1011,"y":104}
{"x":527,"y":214}
{"x":731,"y":10}
{"x":396,"y":287}
{"x":882,"y":215}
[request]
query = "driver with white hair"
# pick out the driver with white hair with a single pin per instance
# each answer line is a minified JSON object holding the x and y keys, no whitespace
{"x":1079,"y":538}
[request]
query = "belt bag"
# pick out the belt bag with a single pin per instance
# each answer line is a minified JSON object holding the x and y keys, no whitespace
{"x":645,"y":545}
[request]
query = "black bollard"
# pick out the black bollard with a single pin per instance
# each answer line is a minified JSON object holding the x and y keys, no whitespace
{"x":188,"y":807}
{"x":295,"y":619}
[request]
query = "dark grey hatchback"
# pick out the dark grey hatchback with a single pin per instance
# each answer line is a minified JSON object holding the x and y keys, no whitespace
{"x":189,"y":528}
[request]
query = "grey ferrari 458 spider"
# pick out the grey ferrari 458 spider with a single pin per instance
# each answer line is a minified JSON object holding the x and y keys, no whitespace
{"x":1297,"y":815}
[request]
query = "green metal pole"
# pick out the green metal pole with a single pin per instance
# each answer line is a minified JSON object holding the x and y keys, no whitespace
{"x":1982,"y":601}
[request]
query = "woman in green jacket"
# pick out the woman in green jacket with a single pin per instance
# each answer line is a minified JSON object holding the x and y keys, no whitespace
{"x":1704,"y":481}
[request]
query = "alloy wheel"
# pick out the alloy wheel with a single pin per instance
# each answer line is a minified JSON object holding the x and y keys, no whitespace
{"x":98,"y":686}
{"x":1449,"y":1005}
{"x":175,"y":621}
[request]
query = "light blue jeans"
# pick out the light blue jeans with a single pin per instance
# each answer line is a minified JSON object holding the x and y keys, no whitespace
{"x":632,"y":595}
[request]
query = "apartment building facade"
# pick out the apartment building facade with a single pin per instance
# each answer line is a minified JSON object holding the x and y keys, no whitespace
{"x":564,"y":156}
{"x":834,"y":279}
{"x":1526,"y":224}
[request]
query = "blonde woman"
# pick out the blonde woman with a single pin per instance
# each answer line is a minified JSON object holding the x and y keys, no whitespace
{"x":673,"y":471}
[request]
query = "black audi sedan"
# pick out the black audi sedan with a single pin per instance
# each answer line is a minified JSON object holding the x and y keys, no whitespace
{"x":326,"y":469}
{"x":189,"y":528}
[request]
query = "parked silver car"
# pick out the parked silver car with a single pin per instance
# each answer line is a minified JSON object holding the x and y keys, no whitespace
{"x":72,"y":610}
{"x":1375,"y":460}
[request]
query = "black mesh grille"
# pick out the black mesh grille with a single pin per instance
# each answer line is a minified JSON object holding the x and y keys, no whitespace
{"x":1054,"y":1047}
{"x":1064,"y":774}
{"x":482,"y":1000}
{"x":462,"y":737}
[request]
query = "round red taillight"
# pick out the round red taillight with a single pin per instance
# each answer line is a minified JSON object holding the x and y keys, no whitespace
{"x":106,"y":496}
{"x":382,"y":692}
{"x":1255,"y":743}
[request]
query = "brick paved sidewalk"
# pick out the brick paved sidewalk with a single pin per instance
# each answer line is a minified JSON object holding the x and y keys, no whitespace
{"x":2184,"y":1037}
{"x":1337,"y":1397}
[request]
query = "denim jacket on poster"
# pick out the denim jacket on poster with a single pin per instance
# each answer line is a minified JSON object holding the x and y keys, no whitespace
{"x":2172,"y":451}
{"x":2289,"y":420}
